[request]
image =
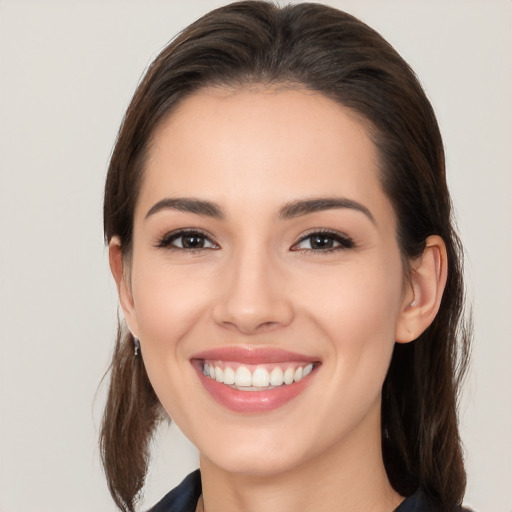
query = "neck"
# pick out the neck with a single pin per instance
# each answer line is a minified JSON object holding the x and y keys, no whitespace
{"x":349,"y":477}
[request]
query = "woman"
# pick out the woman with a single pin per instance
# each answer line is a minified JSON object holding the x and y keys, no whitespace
{"x":280,"y":233}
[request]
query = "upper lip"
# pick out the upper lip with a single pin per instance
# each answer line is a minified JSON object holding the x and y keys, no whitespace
{"x":252,"y":355}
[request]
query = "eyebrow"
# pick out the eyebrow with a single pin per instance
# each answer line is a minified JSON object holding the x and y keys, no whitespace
{"x":305,"y":207}
{"x":183,"y":204}
{"x":288,"y":211}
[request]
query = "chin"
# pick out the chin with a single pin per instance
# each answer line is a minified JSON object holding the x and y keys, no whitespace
{"x":255,"y":463}
{"x":255,"y":452}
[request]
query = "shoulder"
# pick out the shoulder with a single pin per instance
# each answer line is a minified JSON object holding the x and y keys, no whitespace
{"x":182,"y":498}
{"x":419,"y":502}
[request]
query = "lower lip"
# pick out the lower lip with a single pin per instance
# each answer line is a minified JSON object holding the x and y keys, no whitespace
{"x":253,"y":401}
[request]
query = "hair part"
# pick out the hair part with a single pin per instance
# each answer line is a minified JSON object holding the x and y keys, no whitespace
{"x":317,"y":48}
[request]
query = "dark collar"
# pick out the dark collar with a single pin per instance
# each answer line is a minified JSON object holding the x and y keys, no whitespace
{"x":184,"y":498}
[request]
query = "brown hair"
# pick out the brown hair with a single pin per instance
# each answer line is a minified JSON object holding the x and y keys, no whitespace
{"x":325,"y":50}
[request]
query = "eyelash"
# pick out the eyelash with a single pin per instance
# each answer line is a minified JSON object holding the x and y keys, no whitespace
{"x":345,"y":242}
{"x":166,"y":242}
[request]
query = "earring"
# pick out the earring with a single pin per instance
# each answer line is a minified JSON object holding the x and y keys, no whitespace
{"x":136,"y":346}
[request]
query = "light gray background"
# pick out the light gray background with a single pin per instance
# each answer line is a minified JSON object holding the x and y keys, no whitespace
{"x":68,"y":70}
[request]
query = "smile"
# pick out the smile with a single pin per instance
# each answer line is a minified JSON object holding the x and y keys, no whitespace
{"x":253,"y":381}
{"x":256,"y":378}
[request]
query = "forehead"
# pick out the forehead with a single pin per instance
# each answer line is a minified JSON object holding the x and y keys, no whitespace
{"x":261,"y":145}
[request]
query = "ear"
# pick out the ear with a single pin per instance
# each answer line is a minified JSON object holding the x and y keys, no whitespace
{"x":424,"y":291}
{"x":118,"y":267}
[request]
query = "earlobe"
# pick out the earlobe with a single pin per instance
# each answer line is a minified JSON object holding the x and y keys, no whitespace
{"x":425,"y":291}
{"x":118,"y":269}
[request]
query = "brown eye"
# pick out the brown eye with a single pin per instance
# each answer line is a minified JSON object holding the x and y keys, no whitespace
{"x":323,"y":241}
{"x":187,"y":240}
{"x":191,"y":241}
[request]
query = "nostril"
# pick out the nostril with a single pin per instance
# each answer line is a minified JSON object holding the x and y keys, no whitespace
{"x":249,"y":328}
{"x":266,"y":326}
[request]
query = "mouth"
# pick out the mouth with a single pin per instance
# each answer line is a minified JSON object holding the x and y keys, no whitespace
{"x":256,"y":377}
{"x":254,"y":381}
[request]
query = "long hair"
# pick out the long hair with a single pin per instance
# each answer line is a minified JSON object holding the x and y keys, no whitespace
{"x":314,"y":47}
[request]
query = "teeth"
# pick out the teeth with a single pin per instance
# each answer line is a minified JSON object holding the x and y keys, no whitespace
{"x":243,"y":376}
{"x":288,"y":375}
{"x":307,"y":370}
{"x":229,"y":375}
{"x":259,"y":378}
{"x":276,"y":377}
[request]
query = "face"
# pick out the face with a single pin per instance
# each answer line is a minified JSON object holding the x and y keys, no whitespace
{"x":265,"y":283}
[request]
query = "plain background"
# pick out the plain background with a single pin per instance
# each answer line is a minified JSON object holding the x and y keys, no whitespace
{"x":68,"y":70}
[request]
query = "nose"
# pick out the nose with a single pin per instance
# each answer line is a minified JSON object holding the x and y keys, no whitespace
{"x":253,"y":296}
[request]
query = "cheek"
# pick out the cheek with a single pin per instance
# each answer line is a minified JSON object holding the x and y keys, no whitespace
{"x":359,"y":303}
{"x":169,"y":305}
{"x":167,"y":302}
{"x":358,"y":317}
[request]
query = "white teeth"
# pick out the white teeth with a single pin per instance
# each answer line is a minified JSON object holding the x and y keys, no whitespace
{"x":219,"y":374}
{"x":288,"y":375}
{"x":276,"y":377}
{"x":307,"y":370}
{"x":229,"y":375}
{"x":259,"y":378}
{"x":243,"y":376}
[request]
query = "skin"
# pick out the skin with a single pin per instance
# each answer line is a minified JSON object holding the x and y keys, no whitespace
{"x":258,"y":283}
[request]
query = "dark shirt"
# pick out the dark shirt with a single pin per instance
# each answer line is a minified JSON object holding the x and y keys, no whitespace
{"x":184,"y":498}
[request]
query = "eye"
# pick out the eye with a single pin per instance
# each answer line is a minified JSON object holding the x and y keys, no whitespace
{"x":187,"y":240}
{"x":323,"y":241}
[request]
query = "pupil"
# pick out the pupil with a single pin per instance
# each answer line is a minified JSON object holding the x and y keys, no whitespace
{"x":193,"y":241}
{"x":321,"y":242}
